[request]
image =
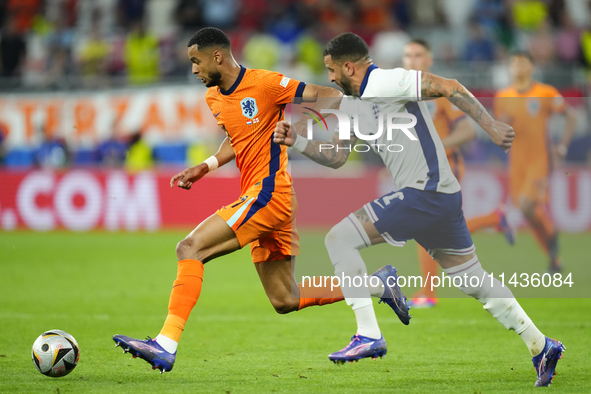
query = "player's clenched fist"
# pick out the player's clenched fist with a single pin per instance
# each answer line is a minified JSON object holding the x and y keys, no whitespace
{"x":501,"y":134}
{"x":283,"y":133}
{"x":186,"y":178}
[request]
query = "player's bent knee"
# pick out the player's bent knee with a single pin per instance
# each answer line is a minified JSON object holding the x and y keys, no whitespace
{"x":285,"y":305}
{"x":332,"y":238}
{"x":345,"y":235}
{"x":187,"y":249}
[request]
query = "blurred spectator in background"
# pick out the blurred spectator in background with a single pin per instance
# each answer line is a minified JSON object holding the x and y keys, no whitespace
{"x":457,"y":12}
{"x":427,"y":13}
{"x":197,"y":153}
{"x":52,"y":153}
{"x":220,"y":13}
{"x":13,"y":50}
{"x":333,"y":18}
{"x":142,"y":55}
{"x":388,"y":45}
{"x":3,"y":136}
{"x":130,"y":12}
{"x":567,"y":41}
{"x":103,"y":12}
{"x":262,"y":51}
{"x":489,"y":14}
{"x":112,"y":152}
{"x":308,"y":51}
{"x":93,"y":57}
{"x":139,"y":154}
{"x":579,"y":11}
{"x":253,"y":14}
{"x":479,"y":48}
{"x":586,"y":47}
{"x":282,"y":24}
{"x":68,"y":11}
{"x":59,"y":63}
{"x":188,"y":15}
{"x":401,"y":10}
{"x":529,"y":14}
{"x":542,"y":45}
{"x":373,"y":15}
{"x":556,"y":8}
{"x":23,"y":12}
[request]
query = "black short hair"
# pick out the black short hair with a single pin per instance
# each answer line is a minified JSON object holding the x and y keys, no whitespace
{"x":209,"y":37}
{"x":347,"y":47}
{"x":524,"y":54}
{"x":422,"y":42}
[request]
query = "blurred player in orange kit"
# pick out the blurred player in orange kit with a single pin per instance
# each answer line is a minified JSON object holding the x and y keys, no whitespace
{"x":247,"y":105}
{"x":454,"y":129}
{"x":527,"y":105}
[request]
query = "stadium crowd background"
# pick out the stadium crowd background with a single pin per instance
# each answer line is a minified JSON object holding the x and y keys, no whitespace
{"x":94,"y":45}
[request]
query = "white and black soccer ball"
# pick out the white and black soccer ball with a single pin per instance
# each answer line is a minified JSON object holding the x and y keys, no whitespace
{"x":55,"y":353}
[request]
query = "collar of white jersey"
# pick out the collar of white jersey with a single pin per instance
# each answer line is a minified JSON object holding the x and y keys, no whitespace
{"x":366,"y":78}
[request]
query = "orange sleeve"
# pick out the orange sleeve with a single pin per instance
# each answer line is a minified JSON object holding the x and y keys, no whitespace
{"x":280,"y":88}
{"x":498,"y":109}
{"x":210,"y":99}
{"x":558,"y":103}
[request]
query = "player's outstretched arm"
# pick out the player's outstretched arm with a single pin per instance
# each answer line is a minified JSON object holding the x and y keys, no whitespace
{"x":323,"y":97}
{"x":569,"y":131}
{"x":331,"y":154}
{"x":434,"y":86}
{"x":188,"y":177}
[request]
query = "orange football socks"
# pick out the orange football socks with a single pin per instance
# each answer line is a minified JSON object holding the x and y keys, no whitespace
{"x":543,"y":227}
{"x":311,"y":295}
{"x":185,"y":292}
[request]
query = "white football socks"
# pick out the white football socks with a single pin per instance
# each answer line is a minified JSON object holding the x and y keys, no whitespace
{"x":367,"y":324}
{"x":499,"y":302}
{"x":343,"y":243}
{"x":167,"y":344}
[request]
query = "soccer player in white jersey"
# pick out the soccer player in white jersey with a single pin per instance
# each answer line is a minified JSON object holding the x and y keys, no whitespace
{"x":428,"y":205}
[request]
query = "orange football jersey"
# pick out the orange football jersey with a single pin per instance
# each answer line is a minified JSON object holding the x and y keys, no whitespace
{"x":445,"y":117}
{"x":248,"y":112}
{"x":528,"y":113}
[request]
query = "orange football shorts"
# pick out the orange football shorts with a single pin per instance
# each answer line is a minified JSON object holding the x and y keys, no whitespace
{"x":265,"y":220}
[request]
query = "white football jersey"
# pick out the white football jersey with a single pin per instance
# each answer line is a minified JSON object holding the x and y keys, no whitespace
{"x":420,"y":163}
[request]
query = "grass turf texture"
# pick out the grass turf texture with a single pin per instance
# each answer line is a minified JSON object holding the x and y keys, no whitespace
{"x":94,"y":285}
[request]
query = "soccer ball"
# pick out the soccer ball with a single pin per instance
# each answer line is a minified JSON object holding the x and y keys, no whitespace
{"x":55,"y":353}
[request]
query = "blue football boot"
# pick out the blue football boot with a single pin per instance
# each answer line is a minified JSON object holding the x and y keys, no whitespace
{"x":545,"y":362}
{"x":392,"y":294}
{"x":148,"y":350}
{"x":360,"y":347}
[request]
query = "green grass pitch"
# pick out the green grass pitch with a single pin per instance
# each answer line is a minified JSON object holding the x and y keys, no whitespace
{"x":97,"y":284}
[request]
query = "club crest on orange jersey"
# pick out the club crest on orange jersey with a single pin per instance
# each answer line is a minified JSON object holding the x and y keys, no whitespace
{"x":249,"y":107}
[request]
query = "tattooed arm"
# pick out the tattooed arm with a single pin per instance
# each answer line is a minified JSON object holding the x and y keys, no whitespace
{"x":331,"y":154}
{"x":433,"y":86}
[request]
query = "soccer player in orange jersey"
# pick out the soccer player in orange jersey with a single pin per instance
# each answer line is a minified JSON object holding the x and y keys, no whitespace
{"x":527,"y":105}
{"x":247,"y":105}
{"x":454,"y":129}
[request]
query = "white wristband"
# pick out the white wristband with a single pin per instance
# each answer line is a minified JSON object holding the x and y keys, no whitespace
{"x":212,"y":163}
{"x":300,"y":144}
